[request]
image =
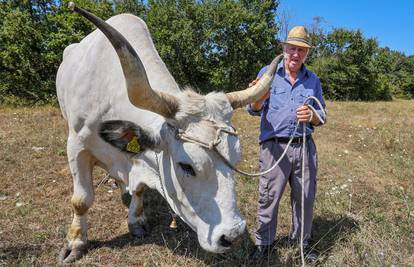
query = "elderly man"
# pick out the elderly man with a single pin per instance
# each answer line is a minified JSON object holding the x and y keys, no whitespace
{"x":280,"y":109}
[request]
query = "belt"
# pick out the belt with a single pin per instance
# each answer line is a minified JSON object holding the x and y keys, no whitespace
{"x":296,"y":140}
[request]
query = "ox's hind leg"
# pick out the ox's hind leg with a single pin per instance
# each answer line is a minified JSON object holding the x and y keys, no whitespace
{"x":136,"y":218}
{"x":81,"y":163}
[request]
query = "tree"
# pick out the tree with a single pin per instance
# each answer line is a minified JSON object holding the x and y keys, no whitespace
{"x":209,"y":45}
{"x":176,"y":28}
{"x":135,"y":7}
{"x":213,"y":45}
{"x":33,"y":36}
{"x":284,"y":18}
{"x":241,"y":40}
{"x":406,"y":78}
{"x":22,"y":67}
{"x":66,"y":27}
{"x":347,"y":68}
{"x":318,"y":38}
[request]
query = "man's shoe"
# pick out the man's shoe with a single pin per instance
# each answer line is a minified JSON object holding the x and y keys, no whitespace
{"x":311,"y":255}
{"x":260,"y":252}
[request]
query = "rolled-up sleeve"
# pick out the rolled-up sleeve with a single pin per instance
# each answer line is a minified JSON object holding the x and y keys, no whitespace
{"x":255,"y":112}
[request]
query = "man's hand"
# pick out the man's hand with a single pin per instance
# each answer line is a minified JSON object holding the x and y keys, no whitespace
{"x":304,"y":114}
{"x":253,"y":82}
{"x":259,"y":103}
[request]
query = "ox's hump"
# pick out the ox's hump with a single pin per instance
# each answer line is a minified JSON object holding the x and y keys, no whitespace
{"x":69,"y":49}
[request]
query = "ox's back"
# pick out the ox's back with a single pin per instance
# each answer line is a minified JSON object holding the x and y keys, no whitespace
{"x":90,"y":82}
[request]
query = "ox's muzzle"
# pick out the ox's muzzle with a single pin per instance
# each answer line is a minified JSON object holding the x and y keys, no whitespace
{"x":229,"y":237}
{"x":226,"y":237}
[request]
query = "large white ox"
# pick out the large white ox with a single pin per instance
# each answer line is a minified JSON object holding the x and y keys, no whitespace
{"x":105,"y":91}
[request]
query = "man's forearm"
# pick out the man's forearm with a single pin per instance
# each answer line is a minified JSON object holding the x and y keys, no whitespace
{"x":315,"y":119}
{"x":256,"y":106}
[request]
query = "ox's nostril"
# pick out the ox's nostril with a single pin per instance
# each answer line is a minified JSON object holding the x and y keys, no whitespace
{"x":224,"y":242}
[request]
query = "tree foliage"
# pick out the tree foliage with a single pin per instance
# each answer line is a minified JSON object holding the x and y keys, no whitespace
{"x":33,"y":36}
{"x":346,"y":64}
{"x":23,"y":69}
{"x":213,"y":45}
{"x":209,"y":45}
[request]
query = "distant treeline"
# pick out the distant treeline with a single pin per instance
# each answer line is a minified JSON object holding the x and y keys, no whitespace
{"x":209,"y":45}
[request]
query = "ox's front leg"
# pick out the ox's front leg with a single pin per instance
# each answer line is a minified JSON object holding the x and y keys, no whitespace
{"x":81,"y":164}
{"x":136,"y":218}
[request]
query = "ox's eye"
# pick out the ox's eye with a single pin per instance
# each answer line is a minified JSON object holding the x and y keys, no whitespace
{"x":187,"y":169}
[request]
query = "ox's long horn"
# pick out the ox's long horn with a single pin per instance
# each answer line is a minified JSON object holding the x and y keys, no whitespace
{"x":140,"y":92}
{"x":241,"y":98}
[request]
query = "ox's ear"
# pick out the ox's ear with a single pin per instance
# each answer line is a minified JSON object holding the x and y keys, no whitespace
{"x":122,"y":134}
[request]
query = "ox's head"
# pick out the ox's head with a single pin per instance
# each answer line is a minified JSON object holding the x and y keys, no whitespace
{"x":197,"y":141}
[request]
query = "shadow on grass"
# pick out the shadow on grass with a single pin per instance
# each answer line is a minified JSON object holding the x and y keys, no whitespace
{"x":19,"y":254}
{"x":181,"y":241}
{"x":328,"y":232}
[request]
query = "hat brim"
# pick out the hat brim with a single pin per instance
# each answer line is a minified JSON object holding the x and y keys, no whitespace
{"x":298,"y":43}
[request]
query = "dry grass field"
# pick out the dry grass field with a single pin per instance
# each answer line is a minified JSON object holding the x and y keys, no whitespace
{"x":364,"y":213}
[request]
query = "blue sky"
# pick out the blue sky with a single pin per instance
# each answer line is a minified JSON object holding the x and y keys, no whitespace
{"x":390,"y":22}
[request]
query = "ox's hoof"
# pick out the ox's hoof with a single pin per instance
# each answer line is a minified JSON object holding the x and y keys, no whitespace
{"x":138,"y":230}
{"x":68,"y":255}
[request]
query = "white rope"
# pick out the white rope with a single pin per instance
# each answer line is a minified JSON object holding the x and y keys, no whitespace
{"x":104,"y":179}
{"x":302,"y":227}
{"x":302,"y":223}
{"x":170,"y":210}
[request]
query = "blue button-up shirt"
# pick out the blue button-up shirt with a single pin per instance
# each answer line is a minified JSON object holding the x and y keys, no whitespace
{"x":278,"y":112}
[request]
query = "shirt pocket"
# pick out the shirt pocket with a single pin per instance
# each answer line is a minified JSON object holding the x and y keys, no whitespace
{"x":278,"y":98}
{"x":303,"y":95}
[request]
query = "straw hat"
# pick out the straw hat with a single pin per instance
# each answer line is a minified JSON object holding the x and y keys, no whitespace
{"x":298,"y":36}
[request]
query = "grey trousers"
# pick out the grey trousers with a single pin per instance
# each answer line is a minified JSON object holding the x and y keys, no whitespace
{"x":272,"y":185}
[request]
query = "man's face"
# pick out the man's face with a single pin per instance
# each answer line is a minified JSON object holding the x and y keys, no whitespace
{"x":295,"y":56}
